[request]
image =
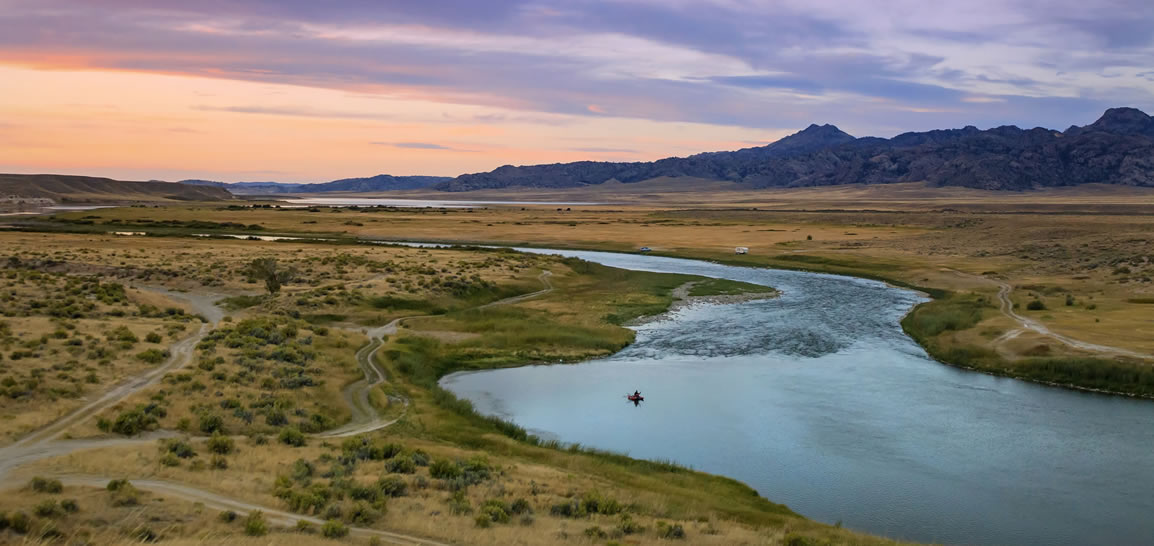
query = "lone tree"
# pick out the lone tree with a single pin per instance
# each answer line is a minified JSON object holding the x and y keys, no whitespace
{"x":267,"y":270}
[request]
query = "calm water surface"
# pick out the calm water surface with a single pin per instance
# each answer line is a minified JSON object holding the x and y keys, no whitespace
{"x":819,"y":401}
{"x":419,"y":203}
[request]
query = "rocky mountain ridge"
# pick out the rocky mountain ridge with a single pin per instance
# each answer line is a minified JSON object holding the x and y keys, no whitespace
{"x":1118,"y":148}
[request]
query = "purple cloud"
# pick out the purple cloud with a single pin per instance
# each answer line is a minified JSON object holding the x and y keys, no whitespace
{"x":415,"y":145}
{"x":761,"y":63}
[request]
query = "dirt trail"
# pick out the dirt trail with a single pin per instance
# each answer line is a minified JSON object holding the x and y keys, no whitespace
{"x":548,"y":287}
{"x":365,"y":418}
{"x":1025,"y":323}
{"x":180,"y":354}
{"x":11,"y":459}
{"x":222,"y":503}
{"x":44,"y":443}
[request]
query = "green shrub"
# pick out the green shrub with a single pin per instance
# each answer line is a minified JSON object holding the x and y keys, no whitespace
{"x":221,"y":444}
{"x":117,"y":485}
{"x":334,"y":529}
{"x":45,"y":485}
{"x":362,"y":514}
{"x":629,"y":527}
{"x":123,"y":493}
{"x":211,"y":423}
{"x":219,"y":462}
{"x":568,"y":509}
{"x":170,"y":459}
{"x":153,"y":356}
{"x":304,"y":526}
{"x":400,"y":465}
{"x":495,"y":510}
{"x":392,"y":486}
{"x":179,"y":448}
{"x":19,"y":522}
{"x":291,"y":436}
{"x":122,"y":333}
{"x":255,"y":525}
{"x":670,"y":532}
{"x":153,"y":337}
{"x":595,"y":503}
{"x":520,"y":506}
{"x":1036,"y":305}
{"x":46,"y":509}
{"x":596,"y":533}
{"x":459,"y":504}
{"x":70,"y":506}
{"x":228,"y":516}
{"x":302,"y":470}
{"x":137,"y":420}
{"x":444,"y":469}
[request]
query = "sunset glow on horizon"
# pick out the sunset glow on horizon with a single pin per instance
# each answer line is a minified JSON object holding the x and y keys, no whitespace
{"x":300,"y":91}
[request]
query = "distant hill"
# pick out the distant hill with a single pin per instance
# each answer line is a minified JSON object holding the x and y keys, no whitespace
{"x":381,"y":182}
{"x":1116,"y":149}
{"x":87,"y":189}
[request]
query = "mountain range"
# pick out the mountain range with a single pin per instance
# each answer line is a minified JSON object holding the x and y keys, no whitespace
{"x":1118,"y":148}
{"x":380,"y":182}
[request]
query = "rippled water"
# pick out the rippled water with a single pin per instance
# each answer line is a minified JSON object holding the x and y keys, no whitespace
{"x":819,"y":401}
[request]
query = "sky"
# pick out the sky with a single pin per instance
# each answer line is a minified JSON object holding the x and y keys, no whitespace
{"x":312,"y":90}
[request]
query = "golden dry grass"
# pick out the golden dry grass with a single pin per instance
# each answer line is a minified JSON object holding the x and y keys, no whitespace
{"x":56,"y":357}
{"x":424,"y":511}
{"x":98,"y":521}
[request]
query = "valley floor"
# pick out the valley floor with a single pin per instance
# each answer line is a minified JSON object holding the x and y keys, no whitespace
{"x":314,"y":413}
{"x":165,"y":363}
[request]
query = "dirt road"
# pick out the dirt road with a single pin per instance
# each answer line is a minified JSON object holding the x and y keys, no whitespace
{"x":1006,"y":306}
{"x":180,"y":354}
{"x":222,"y":503}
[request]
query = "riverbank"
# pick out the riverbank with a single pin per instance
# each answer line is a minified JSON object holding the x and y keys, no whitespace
{"x":805,"y":389}
{"x":709,"y":292}
{"x":272,"y":357}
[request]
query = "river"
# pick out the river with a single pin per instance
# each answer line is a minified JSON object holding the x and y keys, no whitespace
{"x":818,"y":400}
{"x":418,"y":203}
